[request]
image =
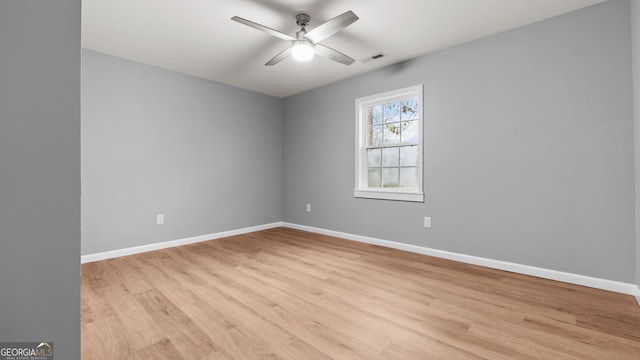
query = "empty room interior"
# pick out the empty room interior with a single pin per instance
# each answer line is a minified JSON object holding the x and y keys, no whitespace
{"x":436,"y":179}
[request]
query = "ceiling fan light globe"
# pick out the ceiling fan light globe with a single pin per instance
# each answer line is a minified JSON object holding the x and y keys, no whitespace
{"x":302,"y":51}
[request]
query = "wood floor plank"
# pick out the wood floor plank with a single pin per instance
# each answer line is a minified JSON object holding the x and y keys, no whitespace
{"x":289,"y":294}
{"x":315,"y":326}
{"x":161,"y":350}
{"x":139,"y":327}
{"x":103,"y":339}
{"x":94,"y":307}
{"x":188,"y":338}
{"x":230,"y":323}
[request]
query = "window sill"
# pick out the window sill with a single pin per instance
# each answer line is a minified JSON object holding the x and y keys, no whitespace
{"x":389,"y":195}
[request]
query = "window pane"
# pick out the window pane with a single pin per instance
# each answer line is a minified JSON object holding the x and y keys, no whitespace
{"x":376,"y":114}
{"x":392,"y":133}
{"x":410,"y":109}
{"x":409,"y":131}
{"x":374,"y":157}
{"x":390,"y":177}
{"x":409,"y":156}
{"x":408,"y":177}
{"x":391,"y":156}
{"x":375,"y":175}
{"x":375,"y":135}
{"x":392,"y":112}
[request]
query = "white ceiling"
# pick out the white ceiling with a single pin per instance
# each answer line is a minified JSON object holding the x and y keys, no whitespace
{"x":198,"y":37}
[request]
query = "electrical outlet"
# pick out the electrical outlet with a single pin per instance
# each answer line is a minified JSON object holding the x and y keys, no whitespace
{"x":427,"y":222}
{"x":160,"y":219}
{"x":308,"y":207}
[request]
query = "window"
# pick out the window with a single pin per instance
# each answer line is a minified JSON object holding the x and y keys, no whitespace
{"x":389,"y":145}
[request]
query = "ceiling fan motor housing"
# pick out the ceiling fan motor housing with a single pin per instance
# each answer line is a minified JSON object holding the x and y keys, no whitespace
{"x":303,"y":19}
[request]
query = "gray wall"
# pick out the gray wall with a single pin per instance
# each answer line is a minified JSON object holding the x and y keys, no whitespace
{"x":529,"y":152}
{"x":40,"y":173}
{"x":206,"y":155}
{"x":635,"y":35}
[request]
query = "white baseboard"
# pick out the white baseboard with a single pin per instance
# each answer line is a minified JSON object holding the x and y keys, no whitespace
{"x":168,"y":244}
{"x":610,"y":285}
{"x":604,"y":284}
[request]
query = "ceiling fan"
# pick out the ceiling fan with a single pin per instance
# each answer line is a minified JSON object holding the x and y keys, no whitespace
{"x":305,"y":44}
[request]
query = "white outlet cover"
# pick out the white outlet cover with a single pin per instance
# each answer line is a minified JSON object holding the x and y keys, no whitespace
{"x":427,"y":222}
{"x":160,"y":219}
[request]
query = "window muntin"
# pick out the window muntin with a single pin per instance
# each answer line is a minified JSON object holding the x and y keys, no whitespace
{"x":389,"y":145}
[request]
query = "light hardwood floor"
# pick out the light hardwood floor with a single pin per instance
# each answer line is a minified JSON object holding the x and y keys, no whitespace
{"x":289,"y":294}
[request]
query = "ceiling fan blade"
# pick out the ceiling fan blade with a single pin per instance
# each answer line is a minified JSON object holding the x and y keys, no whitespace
{"x":268,"y":30}
{"x":281,"y":56}
{"x":334,"y":55}
{"x":331,"y":27}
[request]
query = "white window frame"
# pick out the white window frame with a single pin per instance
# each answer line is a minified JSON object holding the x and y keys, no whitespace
{"x":361,"y":189}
